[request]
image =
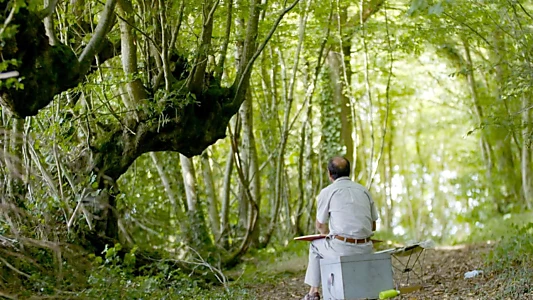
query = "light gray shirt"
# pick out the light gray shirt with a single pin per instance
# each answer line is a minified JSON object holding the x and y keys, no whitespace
{"x":349,"y":208}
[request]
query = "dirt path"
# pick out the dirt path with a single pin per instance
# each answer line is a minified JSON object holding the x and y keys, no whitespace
{"x":443,"y":278}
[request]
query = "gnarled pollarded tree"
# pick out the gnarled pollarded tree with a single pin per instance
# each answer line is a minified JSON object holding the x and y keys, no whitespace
{"x":173,"y":56}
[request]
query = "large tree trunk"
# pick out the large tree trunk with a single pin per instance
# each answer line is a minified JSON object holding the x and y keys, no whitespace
{"x":336,"y":67}
{"x":340,"y":100}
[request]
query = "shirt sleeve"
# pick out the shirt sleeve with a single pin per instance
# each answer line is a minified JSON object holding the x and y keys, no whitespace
{"x":322,"y":207}
{"x":373,"y":209}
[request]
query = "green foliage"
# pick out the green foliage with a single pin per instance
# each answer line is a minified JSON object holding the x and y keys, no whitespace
{"x":512,"y":263}
{"x":493,"y":227}
{"x":116,"y":278}
{"x":515,"y":250}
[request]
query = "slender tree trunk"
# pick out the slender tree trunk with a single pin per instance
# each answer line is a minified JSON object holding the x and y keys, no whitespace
{"x":421,"y":212}
{"x":212,"y":200}
{"x":272,"y":137}
{"x":175,"y":210}
{"x":290,"y":217}
{"x":279,"y":161}
{"x":5,"y":157}
{"x":288,"y":95}
{"x":16,"y":188}
{"x":386,"y":208}
{"x":226,"y":192}
{"x":269,"y":136}
{"x":526,"y":153}
{"x":305,"y":170}
{"x":389,"y":175}
{"x":198,"y":229}
{"x":135,"y":87}
{"x":189,"y":180}
{"x":484,"y":139}
{"x":242,"y":156}
{"x":251,"y":172}
{"x":305,"y":164}
{"x":340,"y":68}
{"x":244,"y":202}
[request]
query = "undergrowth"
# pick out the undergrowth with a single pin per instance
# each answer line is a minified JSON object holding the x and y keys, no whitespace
{"x":115,"y":276}
{"x":511,"y":264}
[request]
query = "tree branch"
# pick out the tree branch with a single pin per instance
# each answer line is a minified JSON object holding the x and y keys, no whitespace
{"x":49,"y":22}
{"x":361,"y":17}
{"x":178,"y":26}
{"x":524,"y":10}
{"x":469,"y":27}
{"x":244,"y":76}
{"x":7,"y":75}
{"x":196,"y":83}
{"x":219,"y":70}
{"x":8,"y":19}
{"x":49,"y":10}
{"x":135,"y":87}
{"x":103,"y":27}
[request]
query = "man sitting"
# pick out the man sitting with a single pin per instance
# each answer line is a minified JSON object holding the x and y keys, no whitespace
{"x":352,"y":219}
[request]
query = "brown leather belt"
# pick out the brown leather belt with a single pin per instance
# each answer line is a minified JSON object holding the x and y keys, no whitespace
{"x":352,"y":241}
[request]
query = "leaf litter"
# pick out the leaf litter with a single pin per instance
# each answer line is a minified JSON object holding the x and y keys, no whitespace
{"x":441,"y":273}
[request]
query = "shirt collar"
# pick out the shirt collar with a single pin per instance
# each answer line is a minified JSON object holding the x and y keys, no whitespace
{"x":342,"y":178}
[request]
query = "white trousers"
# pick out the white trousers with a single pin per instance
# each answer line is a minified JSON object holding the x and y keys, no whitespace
{"x":330,"y":248}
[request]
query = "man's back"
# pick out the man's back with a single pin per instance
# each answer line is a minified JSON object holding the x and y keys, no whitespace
{"x":350,"y":209}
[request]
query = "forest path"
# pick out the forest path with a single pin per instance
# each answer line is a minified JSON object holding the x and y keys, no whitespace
{"x":443,"y":278}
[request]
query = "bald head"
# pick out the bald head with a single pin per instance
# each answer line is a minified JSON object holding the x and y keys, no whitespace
{"x":338,"y":167}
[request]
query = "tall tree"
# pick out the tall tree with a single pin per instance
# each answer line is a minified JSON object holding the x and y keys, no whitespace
{"x":195,"y":108}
